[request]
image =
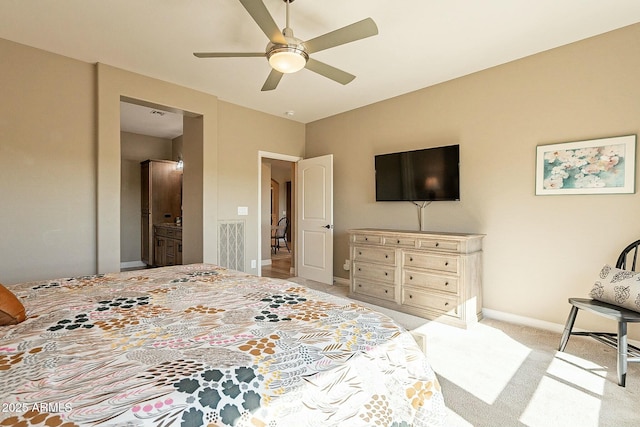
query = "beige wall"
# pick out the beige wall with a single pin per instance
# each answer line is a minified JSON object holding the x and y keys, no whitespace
{"x":47,"y":165}
{"x":176,"y":148}
{"x":282,"y":174}
{"x":60,"y":167}
{"x":199,"y":189}
{"x":243,"y":133}
{"x":538,"y":250}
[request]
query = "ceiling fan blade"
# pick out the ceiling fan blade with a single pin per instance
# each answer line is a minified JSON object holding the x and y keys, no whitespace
{"x":350,"y":33}
{"x":329,"y":72}
{"x":272,"y":80}
{"x":229,"y":54}
{"x":263,"y":18}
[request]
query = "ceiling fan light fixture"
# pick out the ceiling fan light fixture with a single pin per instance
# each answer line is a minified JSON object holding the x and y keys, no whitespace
{"x":287,"y":59}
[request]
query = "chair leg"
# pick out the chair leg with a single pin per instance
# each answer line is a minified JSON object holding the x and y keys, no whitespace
{"x":622,"y":353}
{"x":568,"y":327}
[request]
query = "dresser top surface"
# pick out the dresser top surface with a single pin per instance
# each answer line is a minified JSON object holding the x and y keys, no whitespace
{"x":440,"y":234}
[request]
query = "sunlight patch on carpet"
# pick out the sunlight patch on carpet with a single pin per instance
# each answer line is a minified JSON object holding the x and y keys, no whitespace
{"x":555,"y":403}
{"x":483,"y":372}
{"x":582,"y":373}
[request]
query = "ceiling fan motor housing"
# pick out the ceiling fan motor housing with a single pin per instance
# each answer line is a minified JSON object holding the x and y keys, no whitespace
{"x":287,"y":58}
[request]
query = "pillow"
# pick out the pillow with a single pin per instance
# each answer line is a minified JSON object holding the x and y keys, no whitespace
{"x":11,"y":309}
{"x":618,"y":287}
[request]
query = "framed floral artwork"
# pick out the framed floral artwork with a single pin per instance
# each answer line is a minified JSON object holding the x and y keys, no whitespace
{"x":597,"y":166}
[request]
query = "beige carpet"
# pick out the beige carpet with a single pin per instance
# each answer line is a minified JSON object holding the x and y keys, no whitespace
{"x":498,"y":374}
{"x":501,"y":374}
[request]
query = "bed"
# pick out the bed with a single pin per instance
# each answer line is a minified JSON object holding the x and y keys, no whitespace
{"x":202,"y":345}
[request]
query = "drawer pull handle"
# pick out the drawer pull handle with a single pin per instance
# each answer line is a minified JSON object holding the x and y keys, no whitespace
{"x":386,"y":291}
{"x":359,"y":252}
{"x":437,"y":244}
{"x":446,"y":304}
{"x":386,"y":274}
{"x":410,"y":277}
{"x":366,"y":238}
{"x":386,"y":256}
{"x":446,"y":263}
{"x":359,"y":286}
{"x":446,"y":283}
{"x":398,"y":242}
{"x":411,"y":259}
{"x":359,"y":269}
{"x":410,"y":296}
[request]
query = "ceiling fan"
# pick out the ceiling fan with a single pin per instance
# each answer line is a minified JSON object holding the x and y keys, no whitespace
{"x":288,"y":54}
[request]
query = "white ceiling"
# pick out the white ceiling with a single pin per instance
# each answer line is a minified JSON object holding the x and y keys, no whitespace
{"x":149,"y":121}
{"x":420,"y":42}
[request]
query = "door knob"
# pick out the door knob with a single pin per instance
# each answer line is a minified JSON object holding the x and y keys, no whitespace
{"x":328,"y":226}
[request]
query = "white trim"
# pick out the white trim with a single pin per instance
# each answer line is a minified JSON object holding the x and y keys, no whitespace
{"x":265,"y":262}
{"x":522,"y":320}
{"x":277,"y":156}
{"x":534,"y":323}
{"x":132,"y":264}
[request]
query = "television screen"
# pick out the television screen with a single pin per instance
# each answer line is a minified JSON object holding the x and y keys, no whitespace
{"x":429,"y":174}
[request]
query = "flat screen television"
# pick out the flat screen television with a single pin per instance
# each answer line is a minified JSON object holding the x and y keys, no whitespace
{"x":430,"y":174}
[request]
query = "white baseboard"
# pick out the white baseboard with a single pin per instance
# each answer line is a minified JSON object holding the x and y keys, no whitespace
{"x":535,"y":323}
{"x":132,"y":264}
{"x":265,"y":262}
{"x":522,"y":320}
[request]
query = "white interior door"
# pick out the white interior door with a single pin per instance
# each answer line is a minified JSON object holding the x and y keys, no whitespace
{"x":315,"y":219}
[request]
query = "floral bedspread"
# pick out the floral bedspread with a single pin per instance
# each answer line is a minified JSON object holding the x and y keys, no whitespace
{"x":201,"y":345}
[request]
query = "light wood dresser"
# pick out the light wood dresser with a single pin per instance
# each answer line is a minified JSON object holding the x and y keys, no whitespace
{"x":437,"y":276}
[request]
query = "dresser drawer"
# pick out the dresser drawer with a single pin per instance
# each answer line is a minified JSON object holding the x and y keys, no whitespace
{"x":378,"y":272}
{"x":375,"y":254}
{"x":382,"y":291}
{"x":441,"y":303}
{"x":400,"y":241}
{"x":439,"y":245}
{"x":431,"y":281}
{"x":448,"y":263}
{"x":367,"y":238}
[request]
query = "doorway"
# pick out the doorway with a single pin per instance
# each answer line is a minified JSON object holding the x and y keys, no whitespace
{"x":277,"y":216}
{"x":145,"y":134}
{"x":200,"y":193}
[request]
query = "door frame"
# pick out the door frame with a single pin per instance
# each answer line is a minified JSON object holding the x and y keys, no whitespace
{"x":273,"y":156}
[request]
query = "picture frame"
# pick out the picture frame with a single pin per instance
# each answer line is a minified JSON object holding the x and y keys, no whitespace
{"x":596,"y":166}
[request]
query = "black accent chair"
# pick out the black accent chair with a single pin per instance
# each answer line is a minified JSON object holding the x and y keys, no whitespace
{"x":280,"y":234}
{"x":626,"y":352}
